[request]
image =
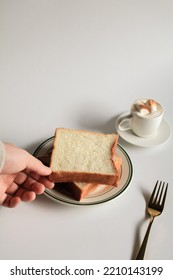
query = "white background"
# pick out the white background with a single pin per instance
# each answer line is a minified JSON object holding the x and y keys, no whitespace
{"x":79,"y":64}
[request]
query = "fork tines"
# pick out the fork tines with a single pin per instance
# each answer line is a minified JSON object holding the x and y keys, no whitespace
{"x":157,"y":194}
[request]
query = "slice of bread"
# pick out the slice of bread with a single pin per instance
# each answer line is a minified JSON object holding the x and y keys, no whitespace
{"x":76,"y":190}
{"x":79,"y":190}
{"x":84,"y":156}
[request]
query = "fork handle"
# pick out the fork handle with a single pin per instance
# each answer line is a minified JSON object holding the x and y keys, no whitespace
{"x":141,"y":252}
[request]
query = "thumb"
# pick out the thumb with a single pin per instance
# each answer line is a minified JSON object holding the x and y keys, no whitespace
{"x":35,"y":165}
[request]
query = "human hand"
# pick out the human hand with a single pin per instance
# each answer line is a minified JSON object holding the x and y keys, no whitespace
{"x":22,"y":177}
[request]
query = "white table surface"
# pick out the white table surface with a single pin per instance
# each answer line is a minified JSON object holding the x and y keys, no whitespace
{"x":79,"y":64}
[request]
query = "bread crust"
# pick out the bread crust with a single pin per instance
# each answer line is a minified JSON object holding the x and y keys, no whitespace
{"x":64,"y":176}
{"x":76,"y":192}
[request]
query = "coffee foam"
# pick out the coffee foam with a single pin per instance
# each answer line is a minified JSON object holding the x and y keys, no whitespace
{"x":147,"y":108}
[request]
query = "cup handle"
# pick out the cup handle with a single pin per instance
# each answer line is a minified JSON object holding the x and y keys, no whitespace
{"x":124,"y":122}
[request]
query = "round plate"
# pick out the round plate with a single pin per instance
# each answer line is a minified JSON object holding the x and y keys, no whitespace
{"x":103,"y":193}
{"x":161,"y":137}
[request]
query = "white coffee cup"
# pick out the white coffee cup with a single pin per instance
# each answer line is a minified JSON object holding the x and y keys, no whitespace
{"x":144,"y":119}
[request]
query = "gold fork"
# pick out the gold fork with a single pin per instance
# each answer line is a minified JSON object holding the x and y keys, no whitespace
{"x":155,"y":208}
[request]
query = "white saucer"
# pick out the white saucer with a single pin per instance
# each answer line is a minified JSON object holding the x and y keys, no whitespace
{"x":161,"y":137}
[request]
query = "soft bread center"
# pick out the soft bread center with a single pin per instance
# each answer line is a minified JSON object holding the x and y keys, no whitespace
{"x":82,"y":152}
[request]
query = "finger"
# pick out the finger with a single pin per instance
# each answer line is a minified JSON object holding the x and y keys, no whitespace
{"x":35,"y":165}
{"x":20,"y":178}
{"x":27,"y":181}
{"x":12,"y":189}
{"x":5,"y":183}
{"x":32,"y":185}
{"x":3,"y":197}
{"x":26,"y":196}
{"x":44,"y":180}
{"x":14,"y":202}
{"x":11,"y":202}
{"x":38,"y":188}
